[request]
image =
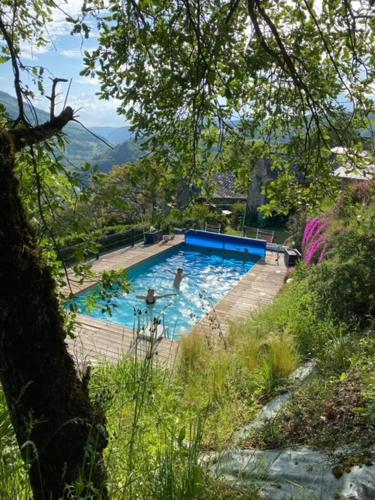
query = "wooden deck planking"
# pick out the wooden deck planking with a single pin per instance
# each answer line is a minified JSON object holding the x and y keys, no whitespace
{"x":97,"y":341}
{"x":255,"y":290}
{"x":100,"y":341}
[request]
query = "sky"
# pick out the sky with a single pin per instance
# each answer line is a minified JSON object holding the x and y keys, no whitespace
{"x":64,"y":59}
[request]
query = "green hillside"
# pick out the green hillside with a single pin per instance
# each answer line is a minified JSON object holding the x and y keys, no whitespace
{"x":126,"y":152}
{"x":81,"y":145}
{"x":11,"y":105}
{"x":114,"y":135}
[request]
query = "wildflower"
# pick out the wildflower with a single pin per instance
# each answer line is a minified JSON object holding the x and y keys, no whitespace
{"x":314,"y":242}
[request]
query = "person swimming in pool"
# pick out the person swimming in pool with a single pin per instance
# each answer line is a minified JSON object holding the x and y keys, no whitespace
{"x":178,"y":276}
{"x":151,"y":298}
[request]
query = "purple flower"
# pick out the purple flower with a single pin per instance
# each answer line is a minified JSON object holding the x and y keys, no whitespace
{"x":323,"y":253}
{"x":316,"y":239}
{"x":309,"y":230}
{"x":314,"y":248}
{"x":313,"y":228}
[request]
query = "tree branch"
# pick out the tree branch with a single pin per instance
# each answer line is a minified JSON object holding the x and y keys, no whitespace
{"x":286,"y":64}
{"x":16,"y":71}
{"x":28,"y":136}
{"x":55,"y":81}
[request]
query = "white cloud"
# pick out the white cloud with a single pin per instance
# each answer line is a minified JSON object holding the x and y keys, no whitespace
{"x":29,"y":51}
{"x":90,"y":110}
{"x":75,"y":54}
{"x":58,"y":25}
{"x":86,"y":80}
{"x":94,"y":112}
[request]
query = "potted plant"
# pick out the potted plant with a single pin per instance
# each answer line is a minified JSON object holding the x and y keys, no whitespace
{"x":153,"y":236}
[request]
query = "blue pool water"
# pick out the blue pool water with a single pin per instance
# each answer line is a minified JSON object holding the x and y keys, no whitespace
{"x":211,"y":275}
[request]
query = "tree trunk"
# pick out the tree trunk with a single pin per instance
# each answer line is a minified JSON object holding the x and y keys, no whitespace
{"x":58,"y":430}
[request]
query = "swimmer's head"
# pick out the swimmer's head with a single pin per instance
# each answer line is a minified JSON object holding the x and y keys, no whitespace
{"x":151,"y":291}
{"x":179,"y":270}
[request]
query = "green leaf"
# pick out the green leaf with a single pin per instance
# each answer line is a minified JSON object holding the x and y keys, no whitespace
{"x":343,"y":377}
{"x":181,"y":436}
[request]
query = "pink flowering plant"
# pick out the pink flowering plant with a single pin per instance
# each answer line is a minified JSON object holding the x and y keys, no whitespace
{"x":315,"y":240}
{"x":344,"y":283}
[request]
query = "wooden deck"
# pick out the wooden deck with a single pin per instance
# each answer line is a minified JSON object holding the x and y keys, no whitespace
{"x":255,"y":290}
{"x":97,"y":341}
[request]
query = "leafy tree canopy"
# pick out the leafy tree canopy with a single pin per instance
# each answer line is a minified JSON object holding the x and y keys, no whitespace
{"x":280,"y":69}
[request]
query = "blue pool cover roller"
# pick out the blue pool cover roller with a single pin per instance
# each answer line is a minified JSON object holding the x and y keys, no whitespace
{"x":226,"y":242}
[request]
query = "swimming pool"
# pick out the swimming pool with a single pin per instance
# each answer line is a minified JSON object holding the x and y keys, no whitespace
{"x":212,"y":273}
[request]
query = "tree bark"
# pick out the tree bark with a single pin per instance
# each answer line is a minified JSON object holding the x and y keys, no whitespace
{"x":58,"y":430}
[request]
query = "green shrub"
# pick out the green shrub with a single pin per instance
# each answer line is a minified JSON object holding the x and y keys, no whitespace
{"x":258,"y":356}
{"x":237,"y":216}
{"x":296,"y":226}
{"x":346,"y":289}
{"x":357,"y":193}
{"x":156,"y":438}
{"x":193,"y":354}
{"x":344,"y":284}
{"x":195,"y":216}
{"x":76,"y":238}
{"x":339,"y":350}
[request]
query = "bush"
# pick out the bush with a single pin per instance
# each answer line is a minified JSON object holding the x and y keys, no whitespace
{"x":155,"y":438}
{"x":345,"y":289}
{"x":195,"y":216}
{"x":76,"y":238}
{"x":357,"y":193}
{"x":14,"y":481}
{"x":315,"y":240}
{"x":296,"y":226}
{"x":193,"y":353}
{"x":344,"y":283}
{"x":257,"y":358}
{"x":237,"y":216}
{"x":362,"y":192}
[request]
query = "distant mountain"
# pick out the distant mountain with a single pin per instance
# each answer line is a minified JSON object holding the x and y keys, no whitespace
{"x":11,"y":105}
{"x":126,"y":152}
{"x":82,"y":146}
{"x":114,"y":135}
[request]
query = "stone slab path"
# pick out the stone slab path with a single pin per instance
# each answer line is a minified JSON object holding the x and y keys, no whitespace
{"x":301,"y":474}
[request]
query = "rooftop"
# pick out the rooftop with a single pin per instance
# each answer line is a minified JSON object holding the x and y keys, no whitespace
{"x":226,"y":186}
{"x":361,"y":174}
{"x":355,"y":165}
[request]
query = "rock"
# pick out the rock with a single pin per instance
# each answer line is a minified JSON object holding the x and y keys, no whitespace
{"x":271,"y":409}
{"x":300,"y":474}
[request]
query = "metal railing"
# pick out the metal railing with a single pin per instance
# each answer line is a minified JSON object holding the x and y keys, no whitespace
{"x":279,"y":235}
{"x":107,"y":243}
